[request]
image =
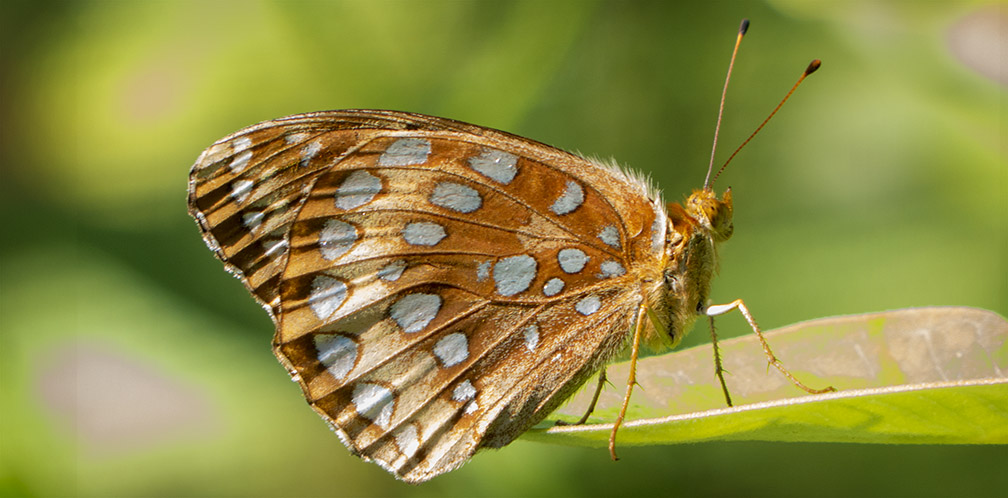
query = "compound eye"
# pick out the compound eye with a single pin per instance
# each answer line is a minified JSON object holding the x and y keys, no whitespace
{"x":700,"y":306}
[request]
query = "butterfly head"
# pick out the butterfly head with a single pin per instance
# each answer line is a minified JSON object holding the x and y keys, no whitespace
{"x":713,"y":214}
{"x":700,"y":223}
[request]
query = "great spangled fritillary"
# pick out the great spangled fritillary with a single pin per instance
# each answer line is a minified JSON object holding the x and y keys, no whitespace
{"x":439,"y":287}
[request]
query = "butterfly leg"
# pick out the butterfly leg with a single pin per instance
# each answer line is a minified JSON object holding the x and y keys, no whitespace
{"x":718,"y":367}
{"x":631,"y":380}
{"x":720,"y":309}
{"x":594,"y":401}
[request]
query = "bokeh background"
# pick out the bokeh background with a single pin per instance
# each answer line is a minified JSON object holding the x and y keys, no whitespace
{"x":133,"y":365}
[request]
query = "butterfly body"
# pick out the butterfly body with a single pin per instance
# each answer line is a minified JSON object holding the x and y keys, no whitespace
{"x":439,"y":287}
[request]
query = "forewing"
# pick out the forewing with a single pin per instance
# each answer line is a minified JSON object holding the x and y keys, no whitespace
{"x":246,"y":189}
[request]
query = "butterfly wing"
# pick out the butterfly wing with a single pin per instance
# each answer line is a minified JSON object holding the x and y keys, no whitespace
{"x":437,"y":287}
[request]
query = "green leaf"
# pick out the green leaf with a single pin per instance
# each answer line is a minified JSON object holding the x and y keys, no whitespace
{"x":914,"y":376}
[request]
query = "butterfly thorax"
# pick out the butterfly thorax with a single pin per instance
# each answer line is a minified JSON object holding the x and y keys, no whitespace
{"x":696,"y":228}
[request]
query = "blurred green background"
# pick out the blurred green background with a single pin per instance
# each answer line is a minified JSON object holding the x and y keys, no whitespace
{"x":133,"y":365}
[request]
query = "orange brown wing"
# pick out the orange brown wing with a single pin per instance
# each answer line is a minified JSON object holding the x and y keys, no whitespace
{"x":437,"y":287}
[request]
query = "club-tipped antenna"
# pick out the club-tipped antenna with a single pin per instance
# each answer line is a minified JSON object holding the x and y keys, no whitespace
{"x":724,"y":93}
{"x":809,"y":70}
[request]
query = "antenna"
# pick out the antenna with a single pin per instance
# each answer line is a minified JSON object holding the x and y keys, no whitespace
{"x":717,"y":128}
{"x":809,"y":70}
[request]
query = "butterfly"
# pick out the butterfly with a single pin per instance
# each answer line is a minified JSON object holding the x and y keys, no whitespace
{"x":439,"y":287}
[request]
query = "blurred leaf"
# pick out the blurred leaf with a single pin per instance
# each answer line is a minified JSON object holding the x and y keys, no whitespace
{"x":924,"y":375}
